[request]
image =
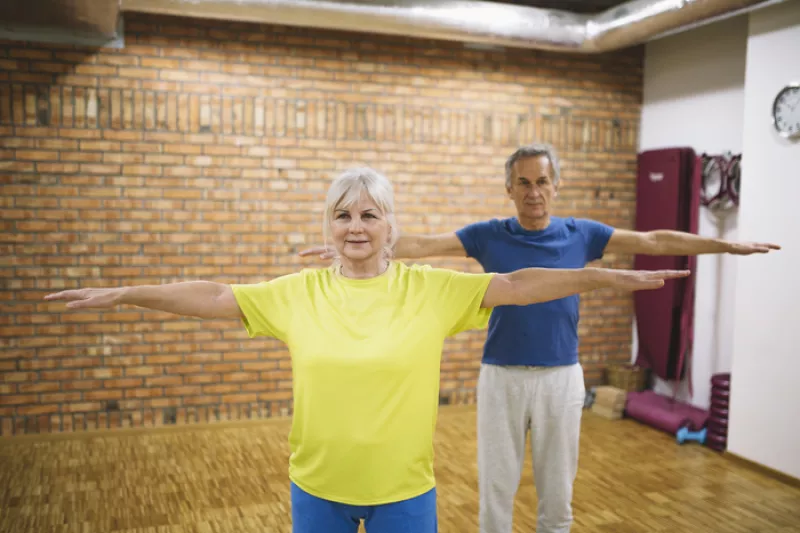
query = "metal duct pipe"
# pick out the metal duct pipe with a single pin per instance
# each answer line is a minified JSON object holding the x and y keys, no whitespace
{"x":84,"y":18}
{"x":478,"y":22}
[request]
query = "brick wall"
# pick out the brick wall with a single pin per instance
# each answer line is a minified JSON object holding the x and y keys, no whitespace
{"x":202,"y":150}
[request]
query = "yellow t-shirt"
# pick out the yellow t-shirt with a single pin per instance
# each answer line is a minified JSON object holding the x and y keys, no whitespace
{"x":365,"y":362}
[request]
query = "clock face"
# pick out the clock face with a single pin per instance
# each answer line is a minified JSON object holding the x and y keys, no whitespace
{"x":786,"y":111}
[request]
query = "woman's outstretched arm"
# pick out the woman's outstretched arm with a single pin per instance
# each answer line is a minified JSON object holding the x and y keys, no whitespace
{"x":202,"y":299}
{"x":536,"y":285}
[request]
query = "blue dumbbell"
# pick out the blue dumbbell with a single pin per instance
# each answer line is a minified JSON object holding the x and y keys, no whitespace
{"x":684,"y":434}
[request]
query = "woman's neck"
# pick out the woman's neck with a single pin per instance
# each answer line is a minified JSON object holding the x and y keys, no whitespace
{"x":363,"y":269}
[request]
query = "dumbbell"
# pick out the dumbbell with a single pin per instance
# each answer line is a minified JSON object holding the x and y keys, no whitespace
{"x":683,"y":434}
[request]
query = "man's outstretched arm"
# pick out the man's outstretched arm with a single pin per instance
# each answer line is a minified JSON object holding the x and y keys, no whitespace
{"x":668,"y":242}
{"x":535,"y":285}
{"x":410,"y":247}
{"x":418,"y":246}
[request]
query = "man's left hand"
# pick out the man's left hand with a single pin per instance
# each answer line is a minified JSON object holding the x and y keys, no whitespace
{"x":747,"y":248}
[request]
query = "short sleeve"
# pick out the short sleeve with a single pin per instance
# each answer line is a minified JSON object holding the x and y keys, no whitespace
{"x":596,"y":236}
{"x":266,"y":305}
{"x":474,"y":236}
{"x":458,"y":297}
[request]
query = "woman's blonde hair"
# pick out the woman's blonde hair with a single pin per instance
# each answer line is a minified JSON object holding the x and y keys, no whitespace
{"x":346,"y":190}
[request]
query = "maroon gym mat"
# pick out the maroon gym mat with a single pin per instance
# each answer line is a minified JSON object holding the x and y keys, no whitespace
{"x":664,"y":413}
{"x":668,"y":197}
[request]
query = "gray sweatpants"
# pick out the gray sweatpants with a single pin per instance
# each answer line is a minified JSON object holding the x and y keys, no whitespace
{"x":548,"y":401}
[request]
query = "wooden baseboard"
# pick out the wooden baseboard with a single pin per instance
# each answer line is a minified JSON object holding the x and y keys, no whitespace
{"x":758,"y":467}
{"x":140,"y":430}
{"x":168,"y":428}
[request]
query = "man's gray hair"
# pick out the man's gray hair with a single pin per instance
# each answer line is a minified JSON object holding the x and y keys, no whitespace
{"x":533,"y":150}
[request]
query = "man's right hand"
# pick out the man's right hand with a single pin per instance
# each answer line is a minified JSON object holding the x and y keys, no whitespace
{"x":323,"y":251}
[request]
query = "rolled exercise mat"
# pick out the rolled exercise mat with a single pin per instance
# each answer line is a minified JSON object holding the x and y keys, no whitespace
{"x":721,"y":381}
{"x":716,"y":442}
{"x":718,"y":419}
{"x":664,"y":413}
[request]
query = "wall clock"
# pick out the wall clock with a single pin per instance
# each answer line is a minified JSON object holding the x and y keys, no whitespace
{"x":786,"y":111}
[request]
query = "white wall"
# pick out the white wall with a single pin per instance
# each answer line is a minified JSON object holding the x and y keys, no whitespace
{"x":694,"y":96}
{"x":764,"y":421}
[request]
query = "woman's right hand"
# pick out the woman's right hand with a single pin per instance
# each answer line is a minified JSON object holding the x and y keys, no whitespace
{"x":89,"y":298}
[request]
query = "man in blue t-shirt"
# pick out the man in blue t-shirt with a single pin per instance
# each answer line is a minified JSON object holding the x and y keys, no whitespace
{"x":530,"y":376}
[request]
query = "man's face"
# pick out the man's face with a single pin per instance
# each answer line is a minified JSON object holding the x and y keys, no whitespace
{"x":532,"y":189}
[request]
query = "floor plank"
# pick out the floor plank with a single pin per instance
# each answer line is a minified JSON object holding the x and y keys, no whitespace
{"x":232,"y":478}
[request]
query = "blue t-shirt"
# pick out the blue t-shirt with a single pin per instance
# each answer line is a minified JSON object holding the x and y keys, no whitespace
{"x":543,"y":334}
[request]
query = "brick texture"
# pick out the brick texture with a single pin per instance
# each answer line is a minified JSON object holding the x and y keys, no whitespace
{"x":202,"y":150}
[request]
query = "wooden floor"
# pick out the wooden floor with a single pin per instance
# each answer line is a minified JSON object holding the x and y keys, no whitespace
{"x":232,"y":478}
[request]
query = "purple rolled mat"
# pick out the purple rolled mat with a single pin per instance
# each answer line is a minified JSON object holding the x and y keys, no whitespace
{"x":720,"y":394}
{"x":719,"y":414}
{"x":664,"y":413}
{"x":716,"y":442}
{"x":717,"y":434}
{"x":722,"y":404}
{"x":721,"y":381}
{"x":717,"y":421}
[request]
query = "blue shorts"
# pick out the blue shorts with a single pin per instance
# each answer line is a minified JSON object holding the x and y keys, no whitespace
{"x":312,"y":515}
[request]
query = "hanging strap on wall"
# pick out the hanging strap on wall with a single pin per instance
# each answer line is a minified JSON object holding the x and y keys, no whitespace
{"x":686,"y":325}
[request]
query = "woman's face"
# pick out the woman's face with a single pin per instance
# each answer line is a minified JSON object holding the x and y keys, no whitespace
{"x":360,"y":231}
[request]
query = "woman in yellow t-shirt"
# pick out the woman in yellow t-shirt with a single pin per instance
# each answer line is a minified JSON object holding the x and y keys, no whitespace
{"x":366,"y":338}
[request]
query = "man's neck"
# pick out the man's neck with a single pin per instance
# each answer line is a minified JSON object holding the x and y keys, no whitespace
{"x":534,"y":224}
